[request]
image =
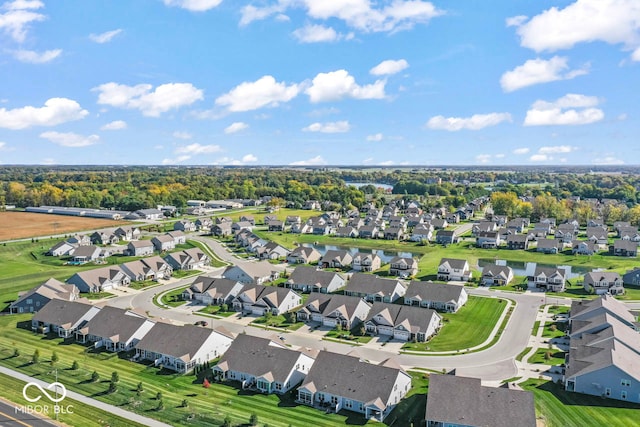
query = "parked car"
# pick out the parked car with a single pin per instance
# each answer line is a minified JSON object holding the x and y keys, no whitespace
{"x":202,"y":323}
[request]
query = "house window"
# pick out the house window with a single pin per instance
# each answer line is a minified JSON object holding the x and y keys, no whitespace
{"x":623,"y":394}
{"x":29,"y":301}
{"x":625,"y":382}
{"x":334,"y":400}
{"x":607,"y":391}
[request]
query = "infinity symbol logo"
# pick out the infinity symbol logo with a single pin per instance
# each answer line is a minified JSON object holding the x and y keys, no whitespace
{"x":62,"y":390}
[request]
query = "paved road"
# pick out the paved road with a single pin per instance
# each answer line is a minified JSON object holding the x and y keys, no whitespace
{"x":10,"y":418}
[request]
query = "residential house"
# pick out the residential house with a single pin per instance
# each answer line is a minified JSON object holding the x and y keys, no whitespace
{"x":461,"y":401}
{"x":159,"y":266}
{"x":446,"y":237}
{"x":373,"y":288}
{"x":541,"y":229}
{"x":402,"y":322}
{"x":312,"y":205}
{"x":336,"y":259}
{"x":222,"y":229}
{"x":422,"y":232}
{"x":272,"y":250}
{"x":62,"y":317}
{"x":496,"y":275}
{"x":585,"y":315}
{"x":453,"y":218}
{"x":63,"y":248}
{"x":598,"y":235}
{"x":584,"y":247}
{"x":204,"y":224}
{"x":267,"y":218}
{"x":264,"y":365}
{"x":517,"y":225}
{"x":347,"y":231}
{"x":517,"y":241}
{"x":483,"y":227}
{"x":82,"y":239}
{"x":188,"y":259}
{"x":549,"y":246}
{"x":104,"y":238}
{"x":309,"y":279}
{"x":248,"y":218}
{"x":626,"y":248}
{"x":290,"y":220}
{"x":488,"y":239}
{"x":114,"y":329}
{"x":403,"y":267}
{"x":632,"y":277}
{"x":140,"y":248}
{"x":319,"y":225}
{"x":178,"y":237}
{"x":356,"y":222}
{"x":275,"y":225}
{"x":438,"y":296}
{"x":548,"y":278}
{"x":366,"y":262}
{"x":182,"y":348}
{"x":603,"y":282}
{"x":259,"y":299}
{"x":621,"y":225}
{"x":550,"y":221}
{"x":138,"y":271}
{"x":212,"y":291}
{"x":251,"y":273}
{"x":185,"y":225}
{"x":439,"y":223}
{"x":150,"y":213}
{"x":127,"y":233}
{"x":413,"y":220}
{"x":394,"y":233}
{"x":596,"y":222}
{"x":332,"y":309}
{"x":37,"y":297}
{"x":371,"y":231}
{"x":99,"y":279}
{"x":566,"y":233}
{"x":84,"y":254}
{"x":336,"y":382}
{"x":303,"y":255}
{"x":629,"y":233}
{"x":163,"y":243}
{"x":454,"y":269}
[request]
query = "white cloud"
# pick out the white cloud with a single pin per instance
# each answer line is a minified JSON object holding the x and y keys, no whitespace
{"x":521,"y":151}
{"x":3,"y":145}
{"x":54,"y":112}
{"x":182,"y":135}
{"x":375,"y":137}
{"x":535,"y":71}
{"x":367,"y":161}
{"x":387,"y":163}
{"x":105,"y":37}
{"x":198,"y":149}
{"x":313,"y":33}
{"x":583,"y":21}
{"x":314,"y":161}
{"x":499,"y":156}
{"x":389,"y":66}
{"x":235,"y":127}
{"x":556,"y":149}
{"x":48,"y":161}
{"x":115,"y":125}
{"x":329,"y":127}
{"x":252,"y":13}
{"x":194,"y":5}
{"x":151,"y":103}
{"x":516,"y":21}
{"x":264,"y":92}
{"x":608,"y":160}
{"x":475,"y":122}
{"x":483,"y":158}
{"x":339,"y":84}
{"x":18,"y":16}
{"x":70,"y":139}
{"x":249,"y":158}
{"x":33,"y":57}
{"x":174,"y":160}
{"x":571,"y":109}
{"x":540,"y":158}
{"x":636,"y":55}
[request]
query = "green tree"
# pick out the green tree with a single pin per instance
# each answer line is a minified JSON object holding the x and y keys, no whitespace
{"x":115,"y":377}
{"x":112,"y":387}
{"x":95,"y":377}
{"x":54,"y":358}
{"x":139,"y":387}
{"x":253,"y":419}
{"x":35,"y":357}
{"x":226,"y":422}
{"x":185,"y":403}
{"x":75,"y":365}
{"x":158,"y":396}
{"x":16,"y":352}
{"x":160,"y":406}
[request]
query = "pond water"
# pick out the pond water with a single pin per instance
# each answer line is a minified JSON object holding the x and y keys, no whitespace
{"x":528,"y":268}
{"x":385,"y":256}
{"x":375,"y":184}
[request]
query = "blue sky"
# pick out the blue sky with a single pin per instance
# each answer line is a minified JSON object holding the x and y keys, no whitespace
{"x":320,"y":82}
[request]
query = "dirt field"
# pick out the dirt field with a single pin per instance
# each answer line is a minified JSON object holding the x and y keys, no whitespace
{"x":20,"y":225}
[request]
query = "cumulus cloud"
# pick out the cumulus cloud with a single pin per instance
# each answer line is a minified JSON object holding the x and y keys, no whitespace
{"x":249,"y":158}
{"x":636,"y":55}
{"x":70,"y":139}
{"x":556,"y":149}
{"x":475,"y":122}
{"x":115,"y":125}
{"x":314,"y":161}
{"x":174,"y":160}
{"x":264,"y":92}
{"x":18,"y":16}
{"x":54,"y":112}
{"x":235,"y":127}
{"x":194,"y":5}
{"x":198,"y":149}
{"x":105,"y":37}
{"x":182,"y":135}
{"x":540,"y":158}
{"x":389,"y":67}
{"x":33,"y":57}
{"x":583,"y":21}
{"x":339,"y":84}
{"x":571,"y":109}
{"x":314,"y":33}
{"x":330,"y":127}
{"x":516,"y":21}
{"x":375,"y":137}
{"x":483,"y":158}
{"x":535,"y":71}
{"x":150,"y":102}
{"x":521,"y":151}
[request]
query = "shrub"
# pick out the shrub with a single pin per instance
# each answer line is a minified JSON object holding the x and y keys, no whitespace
{"x":95,"y":377}
{"x":35,"y":358}
{"x":75,"y":365}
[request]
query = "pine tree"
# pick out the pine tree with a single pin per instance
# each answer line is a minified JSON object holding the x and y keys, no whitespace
{"x":36,"y":356}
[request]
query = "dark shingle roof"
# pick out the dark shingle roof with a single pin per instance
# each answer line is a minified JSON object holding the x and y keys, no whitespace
{"x":178,"y":341}
{"x":371,"y":285}
{"x":428,"y":291}
{"x":310,"y":276}
{"x":114,"y":322}
{"x":60,"y":313}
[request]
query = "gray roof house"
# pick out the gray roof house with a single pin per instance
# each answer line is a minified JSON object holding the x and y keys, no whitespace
{"x":496,"y":275}
{"x":603,"y":282}
{"x":37,"y":297}
{"x":439,"y":296}
{"x":212,"y":291}
{"x":63,"y":317}
{"x":163,"y":242}
{"x":272,"y":250}
{"x":115,"y":329}
{"x":624,"y":248}
{"x":454,"y":269}
{"x":461,"y":401}
{"x":140,"y":248}
{"x":373,"y":288}
{"x":84,"y":254}
{"x":336,"y":382}
{"x":549,"y":246}
{"x":263,"y":364}
{"x":403,"y":266}
{"x":138,"y":271}
{"x":182,"y":348}
{"x":517,"y":241}
{"x":548,"y":278}
{"x":606,"y":304}
{"x":178,"y":236}
{"x":402,"y":322}
{"x":188,"y":259}
{"x":336,"y":259}
{"x":159,"y":266}
{"x":185,"y":225}
{"x":632,"y":277}
{"x":62,"y":249}
{"x":310,"y":279}
{"x":258,"y":299}
{"x":303,"y":255}
{"x":331,"y":310}
{"x":366,"y":262}
{"x":251,"y":272}
{"x":446,"y":237}
{"x":99,"y":279}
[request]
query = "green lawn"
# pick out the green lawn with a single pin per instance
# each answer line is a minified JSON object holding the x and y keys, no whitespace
{"x":536,"y":326}
{"x":97,"y":295}
{"x":217,"y":311}
{"x":554,"y":329}
{"x":279,"y":321}
{"x":556,"y":357}
{"x":558,"y":309}
{"x":413,"y":407}
{"x":520,"y":356}
{"x":564,"y":409}
{"x":173,"y":298}
{"x":143,"y":285}
{"x":206,"y":407}
{"x":215,"y":260}
{"x":353,"y":336}
{"x":470,"y":326}
{"x":181,"y":274}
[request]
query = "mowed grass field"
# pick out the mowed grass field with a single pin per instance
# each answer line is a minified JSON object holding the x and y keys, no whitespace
{"x":22,"y":225}
{"x":560,"y":408}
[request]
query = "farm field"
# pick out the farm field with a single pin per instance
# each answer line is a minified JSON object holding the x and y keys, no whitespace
{"x":23,"y":225}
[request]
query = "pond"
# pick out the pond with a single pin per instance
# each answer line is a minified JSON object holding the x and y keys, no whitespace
{"x":375,"y":184}
{"x":385,"y":256}
{"x":528,"y":268}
